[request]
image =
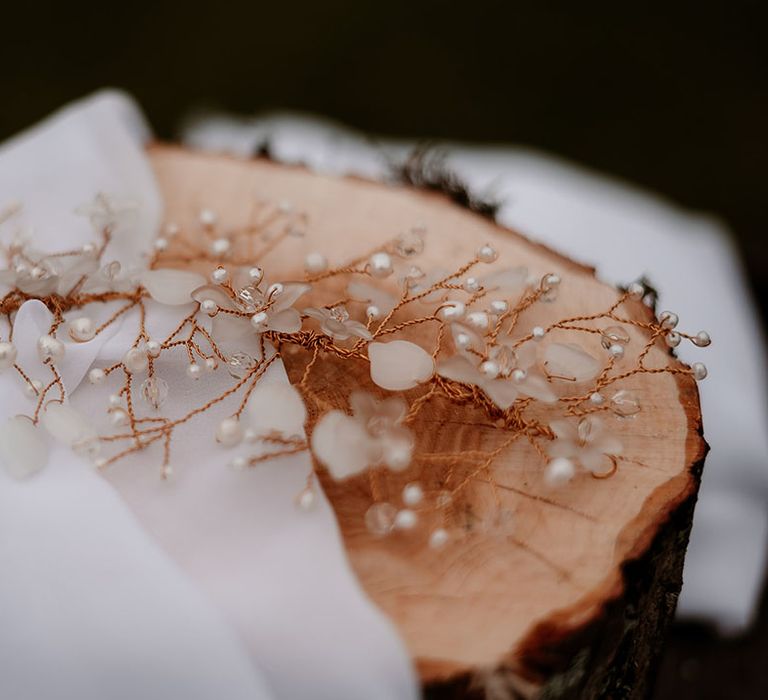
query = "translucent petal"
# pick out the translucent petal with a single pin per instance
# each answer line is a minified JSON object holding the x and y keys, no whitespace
{"x":399,"y":365}
{"x":564,"y":430}
{"x":171,"y":287}
{"x":595,"y":461}
{"x":226,"y":328}
{"x":568,"y":361}
{"x":276,"y":407}
{"x":341,"y":444}
{"x":361,"y":291}
{"x":526,"y":355}
{"x":459,"y":369}
{"x":285,"y":321}
{"x":290,"y":294}
{"x":23,"y":448}
{"x":215,"y":293}
{"x":537,"y":387}
{"x":609,"y":444}
{"x":502,"y":392}
{"x":508,"y":281}
{"x":358,"y":329}
{"x":67,"y":425}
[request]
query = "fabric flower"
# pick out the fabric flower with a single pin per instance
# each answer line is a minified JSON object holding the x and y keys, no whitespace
{"x":372,"y":435}
{"x":337,"y":324}
{"x":399,"y":365}
{"x":586,"y":443}
{"x":498,"y":385}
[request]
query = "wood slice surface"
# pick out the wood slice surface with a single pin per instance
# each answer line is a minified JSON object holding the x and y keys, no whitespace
{"x":569,"y":599}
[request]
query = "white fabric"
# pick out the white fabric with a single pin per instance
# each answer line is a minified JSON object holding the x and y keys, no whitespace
{"x":208,"y":585}
{"x":626,"y":233}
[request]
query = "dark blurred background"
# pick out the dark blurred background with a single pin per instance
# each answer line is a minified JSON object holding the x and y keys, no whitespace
{"x":672,"y":96}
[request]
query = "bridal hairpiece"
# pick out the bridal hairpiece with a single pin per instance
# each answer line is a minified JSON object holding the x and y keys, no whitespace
{"x":460,"y":335}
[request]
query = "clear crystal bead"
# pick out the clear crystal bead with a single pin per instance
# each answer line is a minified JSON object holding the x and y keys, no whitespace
{"x":154,"y":390}
{"x":614,"y":335}
{"x":409,"y":244}
{"x":239,"y":364}
{"x":625,"y":403}
{"x":249,"y":299}
{"x":380,"y":519}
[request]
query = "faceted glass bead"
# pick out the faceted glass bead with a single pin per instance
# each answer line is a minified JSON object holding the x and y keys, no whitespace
{"x":154,"y":390}
{"x":625,"y":403}
{"x":614,"y":335}
{"x":380,"y":519}
{"x":239,"y":364}
{"x":409,"y":244}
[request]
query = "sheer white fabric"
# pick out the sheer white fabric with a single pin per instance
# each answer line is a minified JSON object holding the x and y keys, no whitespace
{"x":208,"y":585}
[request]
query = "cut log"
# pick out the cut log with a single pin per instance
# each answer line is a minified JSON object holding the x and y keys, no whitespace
{"x":572,"y":599}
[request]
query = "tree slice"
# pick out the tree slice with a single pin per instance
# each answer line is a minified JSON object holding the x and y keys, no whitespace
{"x":573,"y":598}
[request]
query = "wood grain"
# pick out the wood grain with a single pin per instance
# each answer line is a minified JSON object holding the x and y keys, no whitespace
{"x":513,"y":604}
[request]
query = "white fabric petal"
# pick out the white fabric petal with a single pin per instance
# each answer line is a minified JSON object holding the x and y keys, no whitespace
{"x":285,"y":321}
{"x":68,"y":425}
{"x":507,"y":282}
{"x":362,"y":291}
{"x":502,"y":392}
{"x":171,"y":287}
{"x":459,"y":369}
{"x":537,"y":387}
{"x":341,"y":444}
{"x":570,"y":361}
{"x":276,"y":407}
{"x":290,"y":295}
{"x":399,"y":365}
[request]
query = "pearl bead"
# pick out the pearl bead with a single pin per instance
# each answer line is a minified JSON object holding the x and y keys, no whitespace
{"x":490,"y":369}
{"x":380,"y":265}
{"x":50,"y":348}
{"x":114,"y":400}
{"x":259,"y":321}
{"x":405,"y":519}
{"x":702,"y":339}
{"x":438,"y":538}
{"x":518,"y":375}
{"x":100,"y":462}
{"x":551,"y":280}
{"x":274,"y":290}
{"x":96,"y":376}
{"x":220,"y":275}
{"x":373,"y":312}
{"x":315,"y":263}
{"x":616,"y":350}
{"x":699,"y":370}
{"x":238,"y":464}
{"x":478,"y":320}
{"x":220,"y":246}
{"x":211,"y":363}
{"x":668,"y":319}
{"x":256,"y":274}
{"x":487,"y":254}
{"x":89,"y":248}
{"x":8,"y":354}
{"x":118,"y":416}
{"x":193,"y":370}
{"x":161,"y":244}
{"x":37,"y":272}
{"x":499,"y":306}
{"x":135,"y":360}
{"x":471,"y":284}
{"x":413,"y":494}
{"x":306,"y":499}
{"x":154,"y":348}
{"x":672,"y":339}
{"x":33,"y":388}
{"x":462,"y":341}
{"x":229,"y":432}
{"x":538,"y":332}
{"x":209,"y":306}
{"x":172,"y":230}
{"x":597,"y":398}
{"x":81,"y":330}
{"x":208,"y":218}
{"x":559,"y":471}
{"x":451,"y":311}
{"x":636,"y":291}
